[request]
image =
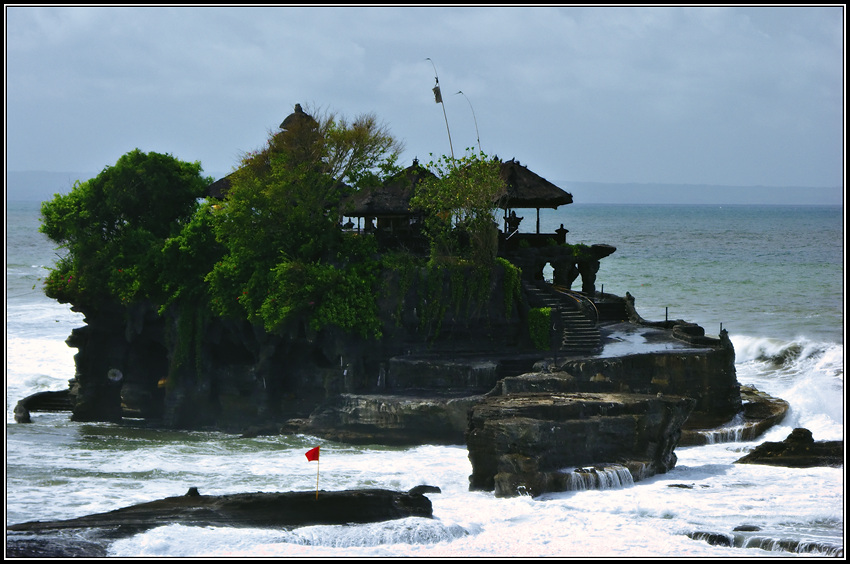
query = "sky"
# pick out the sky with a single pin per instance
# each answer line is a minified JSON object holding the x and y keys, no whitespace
{"x":701,"y":96}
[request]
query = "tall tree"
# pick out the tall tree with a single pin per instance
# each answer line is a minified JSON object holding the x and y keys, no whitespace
{"x":114,"y":225}
{"x":279,"y":223}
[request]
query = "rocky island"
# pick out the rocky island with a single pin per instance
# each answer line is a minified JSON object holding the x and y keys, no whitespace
{"x":309,"y":292}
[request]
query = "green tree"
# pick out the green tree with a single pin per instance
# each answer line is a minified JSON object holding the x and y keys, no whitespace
{"x":285,"y":253}
{"x":114,"y":225}
{"x":190,"y":255}
{"x":359,"y":152}
{"x":459,"y":205}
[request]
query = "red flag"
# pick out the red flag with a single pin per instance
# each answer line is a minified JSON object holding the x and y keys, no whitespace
{"x":312,"y":454}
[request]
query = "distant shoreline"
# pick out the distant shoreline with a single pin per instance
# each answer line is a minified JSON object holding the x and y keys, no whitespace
{"x":40,"y":186}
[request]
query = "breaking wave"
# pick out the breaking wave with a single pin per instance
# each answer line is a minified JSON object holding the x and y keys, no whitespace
{"x":781,"y":353}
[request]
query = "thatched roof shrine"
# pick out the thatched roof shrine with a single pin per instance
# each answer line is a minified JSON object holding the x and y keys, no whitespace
{"x":219,"y":188}
{"x":391,"y":198}
{"x":526,"y":189}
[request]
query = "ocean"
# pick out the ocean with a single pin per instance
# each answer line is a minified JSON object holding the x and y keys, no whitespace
{"x":772,"y":276}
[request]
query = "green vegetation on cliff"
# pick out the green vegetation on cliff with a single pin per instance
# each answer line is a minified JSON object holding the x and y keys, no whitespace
{"x":272,"y":250}
{"x":539,"y":321}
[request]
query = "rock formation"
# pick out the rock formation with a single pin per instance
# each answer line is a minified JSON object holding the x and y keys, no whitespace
{"x":798,"y":450}
{"x":261,"y":509}
{"x":523,"y":442}
{"x":759,"y":412}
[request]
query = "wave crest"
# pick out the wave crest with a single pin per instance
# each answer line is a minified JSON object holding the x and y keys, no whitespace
{"x":785,"y":354}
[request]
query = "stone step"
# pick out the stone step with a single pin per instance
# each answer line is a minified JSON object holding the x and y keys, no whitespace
{"x":578,"y":334}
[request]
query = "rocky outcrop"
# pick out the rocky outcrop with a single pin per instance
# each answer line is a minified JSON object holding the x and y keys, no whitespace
{"x":260,"y":509}
{"x":41,"y":401}
{"x":524,"y":442}
{"x":181,"y":370}
{"x":453,"y":364}
{"x":798,"y":450}
{"x":392,"y":419}
{"x":89,"y":536}
{"x":704,"y":373}
{"x":748,"y":536}
{"x":120,"y":351}
{"x":759,"y":412}
{"x":425,"y":398}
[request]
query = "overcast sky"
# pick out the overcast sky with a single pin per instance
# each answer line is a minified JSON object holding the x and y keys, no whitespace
{"x":722,"y":96}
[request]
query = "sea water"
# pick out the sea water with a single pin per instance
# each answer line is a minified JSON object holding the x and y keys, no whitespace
{"x":771,"y":275}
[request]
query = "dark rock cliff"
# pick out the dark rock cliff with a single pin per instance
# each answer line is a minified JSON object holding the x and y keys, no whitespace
{"x":230,"y":374}
{"x":521,"y":443}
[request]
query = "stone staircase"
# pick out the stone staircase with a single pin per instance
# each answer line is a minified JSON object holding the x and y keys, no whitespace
{"x":578,"y":333}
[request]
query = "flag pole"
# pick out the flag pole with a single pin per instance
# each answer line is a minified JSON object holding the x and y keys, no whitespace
{"x":477,"y":137}
{"x":439,"y":99}
{"x":313,"y":454}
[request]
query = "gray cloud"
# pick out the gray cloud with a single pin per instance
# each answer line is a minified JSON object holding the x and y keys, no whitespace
{"x":679,"y":95}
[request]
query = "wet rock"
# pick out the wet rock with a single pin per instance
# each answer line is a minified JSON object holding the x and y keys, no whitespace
{"x":759,"y":412}
{"x":423,"y":489}
{"x":260,"y":509}
{"x":798,"y":450}
{"x":741,"y":538}
{"x":392,"y":419}
{"x":522,"y":441}
{"x":714,"y":539}
{"x":22,"y":414}
{"x":41,"y":401}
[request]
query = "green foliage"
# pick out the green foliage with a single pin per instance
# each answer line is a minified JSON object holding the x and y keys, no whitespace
{"x":113,"y":228}
{"x":342,"y":295}
{"x":406,"y":268}
{"x":513,"y":288}
{"x":539,"y":321}
{"x":360,"y":152}
{"x":581,"y":252}
{"x":459,"y":206}
{"x":188,"y":340}
{"x":61,"y":284}
{"x":452,"y":285}
{"x":191,"y":254}
{"x":285,"y":256}
{"x":432,"y":304}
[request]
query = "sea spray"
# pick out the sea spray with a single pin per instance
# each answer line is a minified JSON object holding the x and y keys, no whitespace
{"x":597,"y":477}
{"x":809,"y":375}
{"x":733,"y":431}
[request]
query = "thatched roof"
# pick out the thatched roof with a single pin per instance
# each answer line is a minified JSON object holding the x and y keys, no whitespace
{"x":525,"y":189}
{"x":390,"y":199}
{"x":219,"y":188}
{"x":299,"y":116}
